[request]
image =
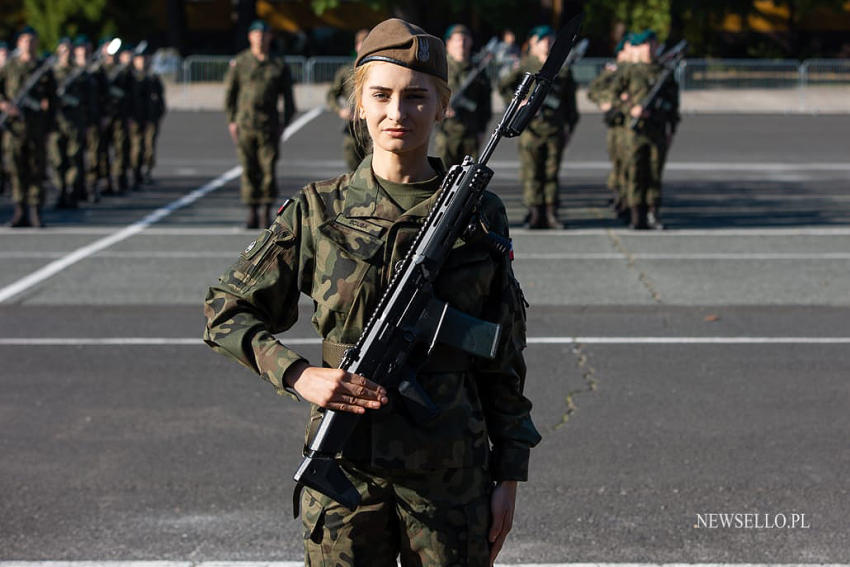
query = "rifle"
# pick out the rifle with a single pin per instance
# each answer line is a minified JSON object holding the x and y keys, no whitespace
{"x":458,"y":101}
{"x":408,"y":320}
{"x":670,"y":60}
{"x":22,"y":100}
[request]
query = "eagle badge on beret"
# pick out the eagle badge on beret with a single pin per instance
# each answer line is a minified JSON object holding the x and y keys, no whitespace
{"x":423,"y":53}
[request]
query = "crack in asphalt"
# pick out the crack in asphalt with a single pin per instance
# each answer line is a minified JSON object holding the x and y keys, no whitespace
{"x":588,"y":375}
{"x":630,"y":262}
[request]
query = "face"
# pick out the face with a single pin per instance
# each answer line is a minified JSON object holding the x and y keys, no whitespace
{"x":63,"y":52}
{"x":81,"y":54}
{"x":540,"y":46}
{"x":139,"y":62}
{"x":259,"y":40}
{"x":459,"y":46}
{"x":125,"y":56}
{"x":509,"y":37}
{"x":400,"y":107}
{"x":27,"y":44}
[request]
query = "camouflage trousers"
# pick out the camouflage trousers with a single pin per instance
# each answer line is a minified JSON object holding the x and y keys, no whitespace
{"x":452,"y":148}
{"x":258,"y":152}
{"x":66,"y":157}
{"x":614,"y":141}
{"x":91,"y":151}
{"x":136,"y":132}
{"x":644,"y":166}
{"x":115,"y":148}
{"x":539,"y":162}
{"x":149,"y":153}
{"x":425,"y":519}
{"x":27,"y":164}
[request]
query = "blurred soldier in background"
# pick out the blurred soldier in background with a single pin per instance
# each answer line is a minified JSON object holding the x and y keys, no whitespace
{"x":507,"y":53}
{"x":26,"y":128}
{"x":4,"y":56}
{"x":113,"y":148}
{"x":542,"y":143}
{"x":155,"y":112}
{"x":96,"y":81}
{"x":601,"y":92}
{"x":138,"y":118}
{"x":254,"y":83}
{"x":355,"y":139}
{"x":647,"y":144}
{"x":73,"y":105}
{"x":460,"y":133}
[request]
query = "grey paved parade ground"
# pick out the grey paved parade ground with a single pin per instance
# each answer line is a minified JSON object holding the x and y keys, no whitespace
{"x":676,"y":375}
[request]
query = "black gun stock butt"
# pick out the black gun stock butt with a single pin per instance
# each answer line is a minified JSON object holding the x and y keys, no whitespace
{"x":324,"y":475}
{"x":563,"y":44}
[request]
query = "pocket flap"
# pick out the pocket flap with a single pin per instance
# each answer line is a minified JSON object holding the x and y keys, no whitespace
{"x":357,"y":237}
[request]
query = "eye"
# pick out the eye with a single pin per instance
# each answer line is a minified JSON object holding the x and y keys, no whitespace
{"x":379,"y":95}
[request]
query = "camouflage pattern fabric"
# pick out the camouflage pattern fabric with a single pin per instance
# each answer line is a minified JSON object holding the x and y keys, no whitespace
{"x":25,"y":136}
{"x":137,"y":123}
{"x":156,"y":111}
{"x":66,"y":146}
{"x":457,"y":136}
{"x":599,"y":91}
{"x":424,"y":519}
{"x":646,"y":147}
{"x":100,"y":88}
{"x":355,"y":146}
{"x":541,"y":145}
{"x":114,"y":152}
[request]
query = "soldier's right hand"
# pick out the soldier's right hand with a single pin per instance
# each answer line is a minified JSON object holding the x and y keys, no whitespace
{"x":234,"y":132}
{"x":9,"y":109}
{"x":336,"y":389}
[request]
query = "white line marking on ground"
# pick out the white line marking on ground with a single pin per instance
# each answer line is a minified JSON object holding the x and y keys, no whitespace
{"x":60,"y":264}
{"x":192,"y":341}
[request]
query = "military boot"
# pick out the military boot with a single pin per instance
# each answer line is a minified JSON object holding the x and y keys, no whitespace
{"x":532,"y":219}
{"x":551,"y":218}
{"x":653,"y":219}
{"x":19,"y":217}
{"x":253,"y":218}
{"x":638,"y":218}
{"x":35,"y":216}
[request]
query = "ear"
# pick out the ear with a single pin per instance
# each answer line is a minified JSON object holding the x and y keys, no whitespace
{"x":361,"y":113}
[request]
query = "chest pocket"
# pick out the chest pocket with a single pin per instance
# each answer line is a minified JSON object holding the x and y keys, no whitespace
{"x":345,"y":255}
{"x":466,"y":277}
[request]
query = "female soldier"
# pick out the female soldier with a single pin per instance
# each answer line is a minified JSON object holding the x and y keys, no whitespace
{"x":436,"y":494}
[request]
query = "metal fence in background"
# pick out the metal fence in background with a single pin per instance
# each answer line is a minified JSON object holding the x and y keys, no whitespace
{"x":213,"y":68}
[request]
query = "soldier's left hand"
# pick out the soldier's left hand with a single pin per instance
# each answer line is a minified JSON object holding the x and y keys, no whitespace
{"x":45,"y":104}
{"x":636,"y":111}
{"x":502,"y":506}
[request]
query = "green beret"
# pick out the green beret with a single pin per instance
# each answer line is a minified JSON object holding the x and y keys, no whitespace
{"x":81,"y":40}
{"x":64,"y":39}
{"x":4,"y":45}
{"x":126,"y":47}
{"x":28,"y":30}
{"x":456,"y":28}
{"x":258,"y":25}
{"x":641,"y":37}
{"x":405,"y":44}
{"x":541,"y":32}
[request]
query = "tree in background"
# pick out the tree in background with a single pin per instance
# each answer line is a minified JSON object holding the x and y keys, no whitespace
{"x":53,"y":19}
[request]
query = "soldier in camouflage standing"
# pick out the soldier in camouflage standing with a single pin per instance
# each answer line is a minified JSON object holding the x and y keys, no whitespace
{"x":26,"y":129}
{"x":98,"y":102}
{"x":460,"y":134}
{"x":139,"y":117}
{"x":600,"y":91}
{"x":431,"y":495}
{"x":254,"y":83}
{"x":155,"y":112}
{"x":355,"y":139}
{"x":542,"y":144}
{"x":647,"y":145}
{"x":4,"y":176}
{"x":114,"y":147}
{"x":68,"y":138}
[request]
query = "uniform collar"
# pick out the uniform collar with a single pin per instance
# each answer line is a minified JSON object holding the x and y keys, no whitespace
{"x":365,"y":198}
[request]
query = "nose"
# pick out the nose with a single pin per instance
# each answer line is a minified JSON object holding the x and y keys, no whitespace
{"x":395,"y":109}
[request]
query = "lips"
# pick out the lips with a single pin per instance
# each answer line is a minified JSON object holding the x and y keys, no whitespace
{"x":396,"y":132}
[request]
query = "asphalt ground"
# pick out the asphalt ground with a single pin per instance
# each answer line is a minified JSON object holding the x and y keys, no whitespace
{"x":702,"y":370}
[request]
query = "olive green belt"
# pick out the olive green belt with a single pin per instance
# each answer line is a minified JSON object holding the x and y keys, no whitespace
{"x":443,"y":359}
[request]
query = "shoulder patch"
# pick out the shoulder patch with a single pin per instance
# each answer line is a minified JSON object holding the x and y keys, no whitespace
{"x":283,"y":206}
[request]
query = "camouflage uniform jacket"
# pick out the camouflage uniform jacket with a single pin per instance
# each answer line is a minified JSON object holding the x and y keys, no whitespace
{"x":252,"y":91}
{"x":636,"y":80}
{"x":100,"y":94}
{"x":156,"y":98}
{"x":335,"y":242}
{"x":140,"y":87}
{"x":559,"y":109}
{"x":74,"y":95}
{"x":13,"y":75}
{"x":341,"y":89}
{"x":119,"y":96}
{"x":474,"y":108}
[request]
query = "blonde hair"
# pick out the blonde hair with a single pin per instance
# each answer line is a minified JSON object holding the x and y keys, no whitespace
{"x":357,"y":80}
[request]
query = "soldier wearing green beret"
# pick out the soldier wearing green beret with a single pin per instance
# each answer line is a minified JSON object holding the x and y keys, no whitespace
{"x":26,"y":128}
{"x":4,"y":176}
{"x":140,"y":114}
{"x":601,"y":92}
{"x":460,"y":134}
{"x":95,"y":81}
{"x":355,"y":138}
{"x":542,"y":144}
{"x":114,"y":149}
{"x":431,"y":496}
{"x":646,"y":146}
{"x":254,"y":83}
{"x":67,"y":141}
